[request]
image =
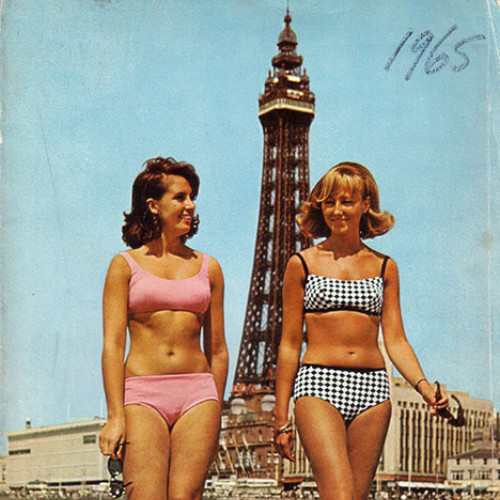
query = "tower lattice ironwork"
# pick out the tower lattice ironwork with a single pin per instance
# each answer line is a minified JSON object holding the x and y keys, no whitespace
{"x":286,"y":110}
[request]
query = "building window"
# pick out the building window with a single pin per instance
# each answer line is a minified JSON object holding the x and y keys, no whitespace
{"x":90,"y":439}
{"x":483,"y":474}
{"x":20,"y":452}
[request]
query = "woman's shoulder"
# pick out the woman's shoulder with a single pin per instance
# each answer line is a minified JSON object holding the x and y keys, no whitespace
{"x":123,"y":256}
{"x":131,"y":253}
{"x":306,"y":253}
{"x":309,"y":250}
{"x":126,"y":258}
{"x":372,"y":257}
{"x":198,"y":254}
{"x":372,"y":253}
{"x":208,"y":261}
{"x":306,"y":256}
{"x":388,"y":265}
{"x":121,"y":265}
{"x":298,"y":263}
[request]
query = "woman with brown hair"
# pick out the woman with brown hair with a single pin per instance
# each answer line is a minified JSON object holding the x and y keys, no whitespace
{"x":164,"y":402}
{"x":343,"y":291}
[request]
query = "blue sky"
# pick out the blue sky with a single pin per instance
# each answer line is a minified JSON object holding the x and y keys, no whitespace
{"x":92,"y":89}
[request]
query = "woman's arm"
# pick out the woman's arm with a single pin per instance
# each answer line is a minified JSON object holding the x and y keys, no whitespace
{"x":289,"y":350}
{"x":396,"y":343}
{"x":214,"y":341}
{"x":115,"y":299}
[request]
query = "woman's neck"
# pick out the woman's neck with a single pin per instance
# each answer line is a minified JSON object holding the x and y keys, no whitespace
{"x":167,"y":244}
{"x":342,"y":246}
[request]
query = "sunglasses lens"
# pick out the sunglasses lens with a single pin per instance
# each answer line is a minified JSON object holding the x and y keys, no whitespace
{"x":444,"y":413}
{"x":115,"y":466}
{"x":115,"y":489}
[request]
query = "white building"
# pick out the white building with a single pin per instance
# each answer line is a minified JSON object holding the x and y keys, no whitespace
{"x":479,"y":468}
{"x":64,"y":455}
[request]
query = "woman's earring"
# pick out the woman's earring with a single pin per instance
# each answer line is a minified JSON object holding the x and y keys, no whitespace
{"x":144,"y":219}
{"x":194,"y":224}
{"x":156,"y":223}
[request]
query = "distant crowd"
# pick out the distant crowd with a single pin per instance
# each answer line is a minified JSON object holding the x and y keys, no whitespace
{"x":423,"y":495}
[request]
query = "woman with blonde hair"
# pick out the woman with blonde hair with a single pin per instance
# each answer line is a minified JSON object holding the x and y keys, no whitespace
{"x":343,"y":291}
{"x":164,"y":403}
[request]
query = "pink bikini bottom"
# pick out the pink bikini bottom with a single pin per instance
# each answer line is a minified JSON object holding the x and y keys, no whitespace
{"x":170,"y":395}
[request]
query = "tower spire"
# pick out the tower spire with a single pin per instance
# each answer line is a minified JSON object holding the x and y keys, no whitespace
{"x":287,"y":58}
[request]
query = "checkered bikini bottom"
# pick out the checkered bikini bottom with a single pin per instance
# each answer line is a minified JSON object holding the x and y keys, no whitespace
{"x":350,"y":390}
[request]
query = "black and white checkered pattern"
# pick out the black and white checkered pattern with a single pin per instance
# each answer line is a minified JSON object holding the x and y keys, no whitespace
{"x":350,"y":390}
{"x":322,"y":294}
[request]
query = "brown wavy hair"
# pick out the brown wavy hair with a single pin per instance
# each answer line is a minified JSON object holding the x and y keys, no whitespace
{"x":141,"y":226}
{"x":351,"y":177}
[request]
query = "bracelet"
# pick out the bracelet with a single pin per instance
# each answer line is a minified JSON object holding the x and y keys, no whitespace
{"x":423,"y":379}
{"x":283,"y":429}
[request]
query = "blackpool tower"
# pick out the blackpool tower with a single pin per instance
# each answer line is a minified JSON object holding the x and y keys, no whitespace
{"x":286,"y":110}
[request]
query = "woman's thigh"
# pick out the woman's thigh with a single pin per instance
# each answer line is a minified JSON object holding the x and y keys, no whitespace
{"x":146,"y":454}
{"x":194,"y":441}
{"x":365,"y":440}
{"x":323,"y":435}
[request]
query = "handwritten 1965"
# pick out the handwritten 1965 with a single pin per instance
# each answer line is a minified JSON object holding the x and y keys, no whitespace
{"x":434,"y":62}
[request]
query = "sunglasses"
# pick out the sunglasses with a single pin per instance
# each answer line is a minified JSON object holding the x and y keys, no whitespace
{"x":116,"y":486}
{"x":459,"y":420}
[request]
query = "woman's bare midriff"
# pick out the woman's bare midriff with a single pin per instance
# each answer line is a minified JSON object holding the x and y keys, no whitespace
{"x":165,"y":342}
{"x":343,"y":339}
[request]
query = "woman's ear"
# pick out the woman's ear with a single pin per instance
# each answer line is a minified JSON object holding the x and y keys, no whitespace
{"x":367,"y":203}
{"x":152,"y":205}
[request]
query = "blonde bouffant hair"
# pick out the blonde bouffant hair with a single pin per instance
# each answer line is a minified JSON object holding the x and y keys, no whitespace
{"x":351,"y":177}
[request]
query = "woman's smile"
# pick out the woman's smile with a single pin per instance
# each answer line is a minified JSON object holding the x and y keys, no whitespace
{"x":344,"y":210}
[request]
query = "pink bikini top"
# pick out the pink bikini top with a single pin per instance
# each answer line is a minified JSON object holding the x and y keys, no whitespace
{"x":149,"y":293}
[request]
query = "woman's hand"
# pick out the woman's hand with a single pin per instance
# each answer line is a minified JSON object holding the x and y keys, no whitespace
{"x":428,"y":392}
{"x":283,"y":442}
{"x":112,"y":437}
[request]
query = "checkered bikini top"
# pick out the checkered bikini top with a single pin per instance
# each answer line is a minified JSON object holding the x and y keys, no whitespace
{"x":323,"y":294}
